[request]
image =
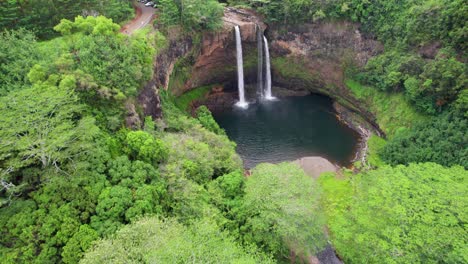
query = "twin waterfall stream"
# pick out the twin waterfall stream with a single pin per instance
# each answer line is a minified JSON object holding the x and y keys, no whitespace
{"x":263,"y":89}
{"x":267,"y":89}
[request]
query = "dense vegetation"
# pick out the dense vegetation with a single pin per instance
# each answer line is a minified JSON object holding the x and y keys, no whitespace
{"x":431,"y":81}
{"x":40,"y":16}
{"x":412,"y":214}
{"x":192,"y":14}
{"x":441,"y":140}
{"x":72,"y":173}
{"x":154,"y":241}
{"x":77,"y":185}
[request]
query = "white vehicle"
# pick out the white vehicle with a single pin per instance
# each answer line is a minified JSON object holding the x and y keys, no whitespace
{"x":149,"y":4}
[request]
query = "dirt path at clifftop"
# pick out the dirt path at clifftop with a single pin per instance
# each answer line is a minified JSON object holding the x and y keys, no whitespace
{"x":144,"y":15}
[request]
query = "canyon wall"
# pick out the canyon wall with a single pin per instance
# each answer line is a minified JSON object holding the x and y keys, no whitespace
{"x":212,"y":60}
{"x":307,"y":58}
{"x":314,"y":57}
{"x":194,"y":60}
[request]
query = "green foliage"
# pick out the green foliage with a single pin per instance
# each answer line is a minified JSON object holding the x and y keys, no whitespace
{"x":389,"y":70}
{"x":18,"y":53}
{"x":183,"y":101}
{"x":170,"y":15}
{"x":440,"y":84}
{"x":144,"y":146}
{"x":226,"y":193}
{"x":207,"y":121}
{"x":17,"y":243}
{"x":281,"y":211}
{"x":197,"y":15}
{"x":231,"y":186}
{"x":411,"y":214}
{"x":291,"y":11}
{"x":429,"y":85}
{"x":393,"y":111}
{"x":201,"y":14}
{"x":336,"y":193}
{"x":41,"y":16}
{"x":110,"y":210}
{"x":375,"y":145}
{"x":90,"y":25}
{"x":35,"y":230}
{"x":413,"y":22}
{"x":439,"y":140}
{"x":154,"y":241}
{"x":108,"y":59}
{"x":136,"y":190}
{"x":68,"y":212}
{"x":42,"y":126}
{"x":80,"y":242}
{"x":200,"y":155}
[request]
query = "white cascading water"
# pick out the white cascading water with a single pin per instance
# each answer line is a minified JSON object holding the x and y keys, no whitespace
{"x":268,"y":95}
{"x":240,"y":70}
{"x":260,"y":86}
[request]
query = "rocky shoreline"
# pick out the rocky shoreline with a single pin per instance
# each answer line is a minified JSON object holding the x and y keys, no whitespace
{"x":354,"y":121}
{"x":218,"y":101}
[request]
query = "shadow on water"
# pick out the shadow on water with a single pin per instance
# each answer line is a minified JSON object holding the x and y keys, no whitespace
{"x":288,"y":129}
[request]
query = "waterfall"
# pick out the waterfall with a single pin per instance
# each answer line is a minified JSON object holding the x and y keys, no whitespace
{"x":268,"y":95}
{"x":240,"y":70}
{"x":260,"y":62}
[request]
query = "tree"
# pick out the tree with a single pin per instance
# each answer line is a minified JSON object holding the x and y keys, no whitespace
{"x":207,"y":120}
{"x":281,"y":211}
{"x":90,"y":25}
{"x":195,"y":15}
{"x":42,"y":126}
{"x":170,"y":14}
{"x":144,"y":146}
{"x":41,"y":16}
{"x":402,"y":214}
{"x":438,"y":140}
{"x":18,"y":53}
{"x":440,"y":83}
{"x":80,"y":242}
{"x":201,"y":14}
{"x":151,"y":240}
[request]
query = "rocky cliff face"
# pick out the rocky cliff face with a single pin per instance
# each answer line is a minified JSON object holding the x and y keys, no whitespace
{"x":314,"y":57}
{"x":322,"y":49}
{"x":164,"y":64}
{"x":324,"y":42}
{"x":192,"y":61}
{"x":309,"y":57}
{"x":214,"y":58}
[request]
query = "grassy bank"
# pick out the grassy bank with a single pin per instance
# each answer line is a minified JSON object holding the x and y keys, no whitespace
{"x":393,"y":111}
{"x":183,"y":101}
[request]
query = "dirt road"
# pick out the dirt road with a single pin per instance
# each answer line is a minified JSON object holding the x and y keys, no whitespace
{"x":144,"y":15}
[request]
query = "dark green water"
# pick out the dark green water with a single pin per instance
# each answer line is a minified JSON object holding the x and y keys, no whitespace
{"x":288,"y":129}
